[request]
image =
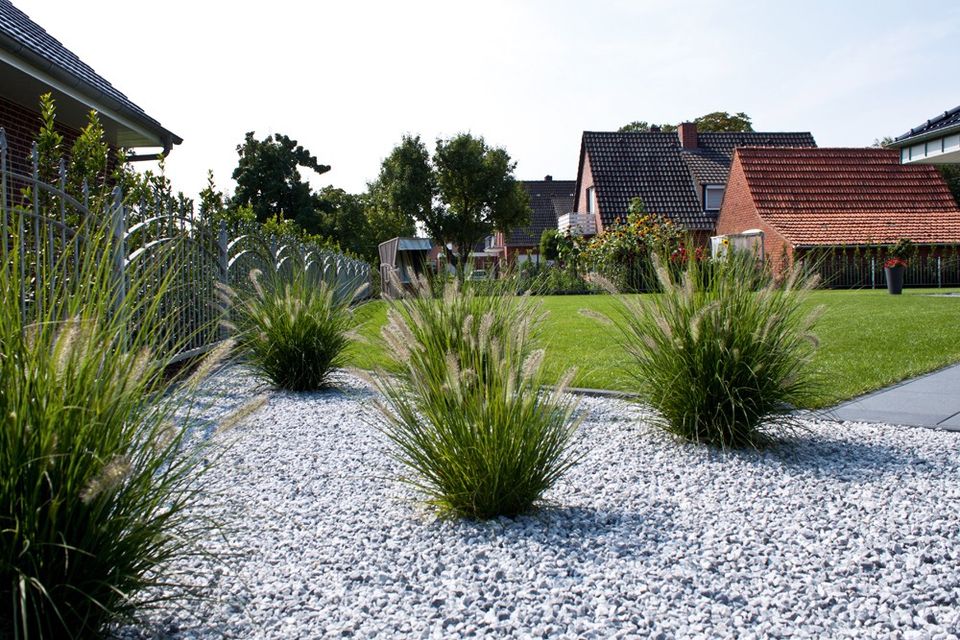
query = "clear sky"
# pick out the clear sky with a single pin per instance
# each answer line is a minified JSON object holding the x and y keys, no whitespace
{"x":347,"y":79}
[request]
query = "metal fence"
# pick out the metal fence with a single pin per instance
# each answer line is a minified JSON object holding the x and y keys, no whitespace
{"x":157,"y":242}
{"x":862,"y":268}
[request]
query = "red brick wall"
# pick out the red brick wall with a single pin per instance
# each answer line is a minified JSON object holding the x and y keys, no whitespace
{"x":739,"y":213}
{"x":580,"y":198}
{"x":21,"y":126}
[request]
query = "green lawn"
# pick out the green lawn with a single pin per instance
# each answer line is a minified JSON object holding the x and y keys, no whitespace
{"x":868,"y":339}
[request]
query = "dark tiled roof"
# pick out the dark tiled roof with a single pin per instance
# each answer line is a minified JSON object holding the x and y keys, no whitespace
{"x":669,"y":179}
{"x":849,"y":196}
{"x":549,"y":199}
{"x":934,"y":126}
{"x":20,"y":33}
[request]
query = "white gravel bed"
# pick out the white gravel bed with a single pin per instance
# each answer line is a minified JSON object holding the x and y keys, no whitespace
{"x":848,"y":530}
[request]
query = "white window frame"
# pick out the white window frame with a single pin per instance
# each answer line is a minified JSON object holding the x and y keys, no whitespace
{"x":591,"y":195}
{"x":707,"y":188}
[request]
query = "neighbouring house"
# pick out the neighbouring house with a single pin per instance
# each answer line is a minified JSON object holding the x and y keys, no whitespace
{"x":844,"y":200}
{"x":680,"y":175}
{"x":32,"y":62}
{"x":936,"y":141}
{"x":549,"y":199}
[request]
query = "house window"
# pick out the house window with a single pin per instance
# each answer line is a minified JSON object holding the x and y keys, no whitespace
{"x":712,"y":197}
{"x":591,"y":200}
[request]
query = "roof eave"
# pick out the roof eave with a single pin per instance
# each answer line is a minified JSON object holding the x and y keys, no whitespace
{"x":45,"y":71}
{"x":904,"y":141}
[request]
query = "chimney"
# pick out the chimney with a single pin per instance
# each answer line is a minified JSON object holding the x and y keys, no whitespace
{"x":548,"y":178}
{"x":688,"y":135}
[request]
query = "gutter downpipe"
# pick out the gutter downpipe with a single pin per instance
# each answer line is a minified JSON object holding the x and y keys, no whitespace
{"x":145,"y":157}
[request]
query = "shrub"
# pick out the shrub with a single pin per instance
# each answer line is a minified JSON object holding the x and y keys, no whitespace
{"x":547,"y":280}
{"x":293,"y":326}
{"x":466,"y":413}
{"x":721,"y":357}
{"x":623,"y":251}
{"x":94,"y":476}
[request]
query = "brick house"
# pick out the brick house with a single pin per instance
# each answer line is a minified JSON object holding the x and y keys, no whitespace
{"x":549,"y":199}
{"x":805,"y":198}
{"x":680,"y":175}
{"x":32,"y":62}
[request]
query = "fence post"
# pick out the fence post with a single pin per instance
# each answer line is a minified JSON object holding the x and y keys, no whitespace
{"x":119,"y":249}
{"x":223,"y":264}
{"x":873,"y":272}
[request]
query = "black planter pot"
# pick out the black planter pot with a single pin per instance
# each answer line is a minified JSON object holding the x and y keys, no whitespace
{"x":894,"y":279}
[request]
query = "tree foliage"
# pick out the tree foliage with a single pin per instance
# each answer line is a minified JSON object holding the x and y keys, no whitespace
{"x":951,"y":173}
{"x":642,"y":126}
{"x":268,"y":179}
{"x":342,"y":217}
{"x":716,"y":121}
{"x":719,"y":121}
{"x":406,"y":185}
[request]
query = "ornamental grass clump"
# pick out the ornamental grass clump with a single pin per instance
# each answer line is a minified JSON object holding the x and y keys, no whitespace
{"x":95,"y":476}
{"x":294,"y":326}
{"x":465,"y":409}
{"x":723,"y":359}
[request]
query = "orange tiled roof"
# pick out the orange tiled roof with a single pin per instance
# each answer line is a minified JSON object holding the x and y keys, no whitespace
{"x":849,"y":196}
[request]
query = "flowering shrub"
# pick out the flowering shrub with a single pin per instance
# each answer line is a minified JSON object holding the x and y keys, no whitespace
{"x":681,"y":256}
{"x":899,"y":254}
{"x":622,"y":252}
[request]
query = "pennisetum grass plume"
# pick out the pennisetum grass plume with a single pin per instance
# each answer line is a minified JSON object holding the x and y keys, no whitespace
{"x":464,"y":408}
{"x":95,"y":475}
{"x":722,"y":353}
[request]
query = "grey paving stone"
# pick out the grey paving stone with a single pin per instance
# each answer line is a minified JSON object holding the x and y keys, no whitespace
{"x":927,"y":401}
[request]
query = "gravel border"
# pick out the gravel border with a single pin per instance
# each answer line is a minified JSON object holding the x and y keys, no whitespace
{"x":846,"y":530}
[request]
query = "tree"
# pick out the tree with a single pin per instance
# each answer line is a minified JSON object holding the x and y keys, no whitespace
{"x":406,"y":184}
{"x":723,"y":121}
{"x":342,"y":218}
{"x":384,"y":221}
{"x":464,"y":192}
{"x":641,"y":126}
{"x":711,"y":122}
{"x":269,"y":180}
{"x":951,"y":173}
{"x":478,"y":193}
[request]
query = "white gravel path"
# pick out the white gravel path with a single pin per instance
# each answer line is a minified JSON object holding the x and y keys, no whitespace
{"x":849,"y":530}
